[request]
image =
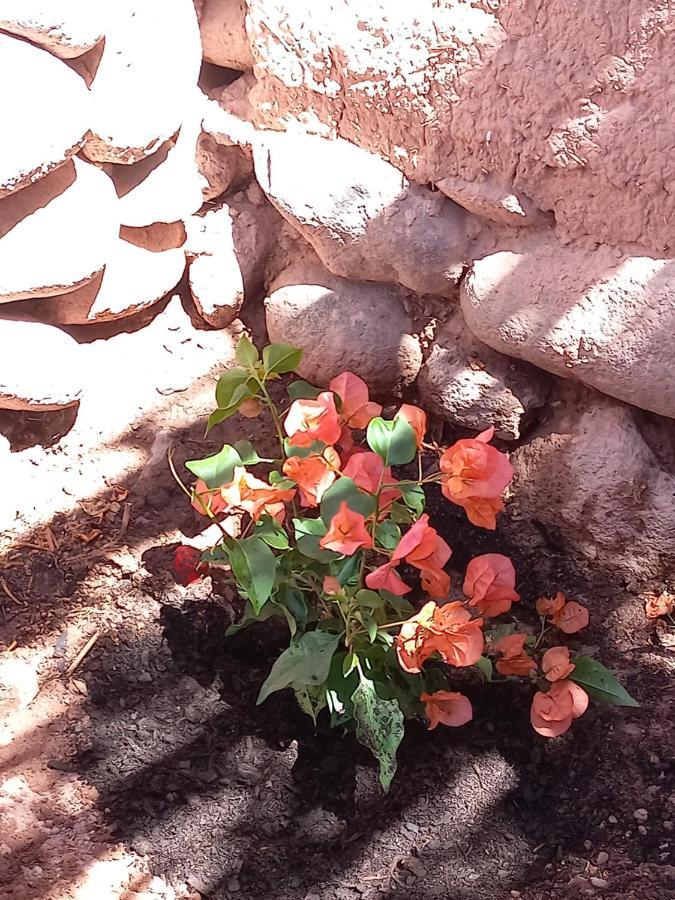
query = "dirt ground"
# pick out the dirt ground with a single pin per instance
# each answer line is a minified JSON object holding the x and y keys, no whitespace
{"x":142,"y":768}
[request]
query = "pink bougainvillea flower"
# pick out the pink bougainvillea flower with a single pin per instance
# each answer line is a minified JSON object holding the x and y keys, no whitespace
{"x":347,"y":532}
{"x":482,"y":511}
{"x":331,"y":585}
{"x":313,"y":420}
{"x":422,"y":546}
{"x":367,"y":471}
{"x":357,"y":408}
{"x":446,"y":708}
{"x":514,"y":660}
{"x":313,"y":474}
{"x":435,"y":583}
{"x":416,"y":418}
{"x":187,"y":565}
{"x":447,"y":630}
{"x":386,"y":578}
{"x":473,"y":471}
{"x":490,"y":582}
{"x":256,"y":497}
{"x":553,"y":712}
{"x":550,"y":606}
{"x":207,"y":501}
{"x":556,"y":665}
{"x":663,"y":605}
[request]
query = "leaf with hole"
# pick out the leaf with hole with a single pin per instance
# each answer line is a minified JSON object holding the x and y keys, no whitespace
{"x":306,"y":661}
{"x":599,"y":683}
{"x":379,"y":726}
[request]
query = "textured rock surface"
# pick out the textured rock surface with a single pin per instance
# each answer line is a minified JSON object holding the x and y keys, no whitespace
{"x":229,"y":247}
{"x":470,"y":385}
{"x":145,"y":80}
{"x":67,"y":28}
{"x":570,"y":102}
{"x":39,"y":367}
{"x":223,"y":30}
{"x":134,"y":279}
{"x":57,"y":233}
{"x":228,"y":114}
{"x":341,"y":324}
{"x":598,"y":316}
{"x":360,"y":214}
{"x":45,"y":113}
{"x":156,"y":237}
{"x":222,"y":167}
{"x":591,"y":478}
{"x":494,"y":199}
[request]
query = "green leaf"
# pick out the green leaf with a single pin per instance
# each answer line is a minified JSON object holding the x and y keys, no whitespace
{"x":281,"y":358}
{"x":379,"y":726}
{"x":311,"y":700}
{"x":228,"y":382}
{"x":270,"y":531}
{"x":247,"y":452}
{"x":344,"y":489}
{"x":393,"y":441}
{"x":249,"y":616}
{"x":303,"y":390}
{"x":400,"y":514}
{"x":370,"y":599}
{"x":306,"y":661}
{"x":349,"y":664}
{"x":387,"y":535}
{"x":280,"y":480}
{"x":216,"y":470}
{"x":307,"y":535}
{"x":241,"y":393}
{"x":346,"y":570}
{"x":246,"y":353}
{"x":402,"y":607}
{"x":484,"y":666}
{"x":413,"y":497}
{"x":370,"y":625}
{"x":293,"y":602}
{"x":254,"y":566}
{"x":599,"y":682}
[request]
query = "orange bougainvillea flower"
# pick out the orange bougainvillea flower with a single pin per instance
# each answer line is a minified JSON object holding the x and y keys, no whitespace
{"x":331,"y":585}
{"x":552,"y":713}
{"x":446,"y":708}
{"x":385,"y":578}
{"x":313,"y":474}
{"x":571,"y":618}
{"x":556,"y":664}
{"x":256,"y":497}
{"x":367,"y":471}
{"x":447,"y":630}
{"x":474,"y":469}
{"x":435,"y":583}
{"x":550,"y":606}
{"x":514,"y":660}
{"x":416,"y":418}
{"x":357,"y":408}
{"x":490,"y":582}
{"x":206,"y":501}
{"x":482,"y":511}
{"x":663,"y":605}
{"x":347,"y":532}
{"x":313,"y":420}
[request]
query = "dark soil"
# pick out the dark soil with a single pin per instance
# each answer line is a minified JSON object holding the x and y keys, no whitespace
{"x":226,"y":799}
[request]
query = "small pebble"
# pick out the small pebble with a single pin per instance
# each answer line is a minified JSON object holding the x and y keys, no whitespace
{"x":232,"y":884}
{"x":603,"y":858}
{"x":642,"y":830}
{"x":588,"y":845}
{"x":599,"y":882}
{"x":145,"y":678}
{"x":641,"y":815}
{"x":612,"y":820}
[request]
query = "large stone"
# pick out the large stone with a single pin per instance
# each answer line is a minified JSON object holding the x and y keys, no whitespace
{"x":165,"y":186}
{"x":67,"y":28}
{"x":590,"y":478}
{"x":45,"y":113}
{"x":134,"y":279}
{"x":39,"y":367}
{"x":228,"y":116}
{"x":222,"y":167}
{"x":57,"y":233}
{"x":493,"y":198}
{"x":573,"y":105}
{"x":146,"y":79}
{"x":229,"y":247}
{"x":222,"y":24}
{"x":343,"y":325}
{"x":595,"y":315}
{"x":360,"y":214}
{"x":473,"y":387}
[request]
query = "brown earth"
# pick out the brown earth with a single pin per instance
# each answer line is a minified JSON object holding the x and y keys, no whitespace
{"x":146,"y":770}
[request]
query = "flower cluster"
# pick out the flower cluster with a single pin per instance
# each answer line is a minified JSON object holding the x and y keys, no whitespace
{"x":333,"y":537}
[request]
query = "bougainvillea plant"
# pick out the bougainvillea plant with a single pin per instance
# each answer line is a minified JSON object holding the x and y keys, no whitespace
{"x":330,"y":539}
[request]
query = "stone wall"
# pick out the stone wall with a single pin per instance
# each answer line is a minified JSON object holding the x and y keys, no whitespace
{"x":470,"y":202}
